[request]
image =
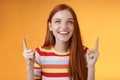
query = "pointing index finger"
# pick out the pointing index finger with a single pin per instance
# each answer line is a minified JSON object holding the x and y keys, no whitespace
{"x":24,"y":44}
{"x":97,"y":44}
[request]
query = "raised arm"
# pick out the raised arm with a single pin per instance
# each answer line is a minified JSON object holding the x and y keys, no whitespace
{"x":91,"y":57}
{"x":29,"y":56}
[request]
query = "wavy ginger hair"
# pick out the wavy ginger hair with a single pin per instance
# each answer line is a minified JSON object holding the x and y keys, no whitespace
{"x":77,"y":63}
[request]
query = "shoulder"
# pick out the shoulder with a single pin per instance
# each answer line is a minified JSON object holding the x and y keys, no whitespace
{"x":39,"y":50}
{"x":43,"y":51}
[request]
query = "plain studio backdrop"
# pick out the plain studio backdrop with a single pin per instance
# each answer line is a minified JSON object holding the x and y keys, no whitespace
{"x":27,"y":18}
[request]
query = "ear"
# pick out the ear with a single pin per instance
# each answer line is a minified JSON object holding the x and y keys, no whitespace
{"x":50,"y":27}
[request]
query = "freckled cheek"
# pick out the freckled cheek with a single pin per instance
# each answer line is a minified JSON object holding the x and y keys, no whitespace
{"x":55,"y":31}
{"x":54,"y":28}
{"x":71,"y":28}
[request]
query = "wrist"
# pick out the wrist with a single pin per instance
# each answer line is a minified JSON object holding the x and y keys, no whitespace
{"x":91,"y":68}
{"x":30,"y":68}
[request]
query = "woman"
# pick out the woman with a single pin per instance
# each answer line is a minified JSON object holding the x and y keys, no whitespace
{"x":62,"y":56}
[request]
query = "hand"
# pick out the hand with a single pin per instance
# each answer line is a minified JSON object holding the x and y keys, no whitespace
{"x":92,"y":55}
{"x":28,"y":54}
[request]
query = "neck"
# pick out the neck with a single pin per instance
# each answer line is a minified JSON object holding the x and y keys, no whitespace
{"x":61,"y":46}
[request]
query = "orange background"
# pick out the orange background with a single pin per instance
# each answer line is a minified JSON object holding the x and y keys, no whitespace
{"x":27,"y":18}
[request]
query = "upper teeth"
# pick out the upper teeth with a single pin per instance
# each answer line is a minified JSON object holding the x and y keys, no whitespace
{"x":63,"y":32}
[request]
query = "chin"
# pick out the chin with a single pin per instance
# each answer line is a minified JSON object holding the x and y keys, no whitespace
{"x":64,"y":40}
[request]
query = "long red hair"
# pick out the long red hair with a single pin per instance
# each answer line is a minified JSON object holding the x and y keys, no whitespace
{"x":77,"y":62}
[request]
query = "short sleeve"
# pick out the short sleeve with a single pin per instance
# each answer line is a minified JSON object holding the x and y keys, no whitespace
{"x":37,"y":67}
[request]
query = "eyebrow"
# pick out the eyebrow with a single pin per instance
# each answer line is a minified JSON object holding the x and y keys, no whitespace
{"x":70,"y":19}
{"x":61,"y":19}
{"x":56,"y":19}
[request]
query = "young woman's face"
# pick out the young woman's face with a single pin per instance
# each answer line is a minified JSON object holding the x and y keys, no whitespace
{"x":62,"y":25}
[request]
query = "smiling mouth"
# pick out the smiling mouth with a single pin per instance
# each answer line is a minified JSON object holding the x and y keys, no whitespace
{"x":63,"y":33}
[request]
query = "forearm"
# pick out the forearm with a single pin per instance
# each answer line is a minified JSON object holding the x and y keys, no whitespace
{"x":91,"y":73}
{"x":30,"y":73}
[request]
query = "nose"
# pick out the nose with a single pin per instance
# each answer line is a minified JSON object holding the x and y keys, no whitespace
{"x":63,"y":26}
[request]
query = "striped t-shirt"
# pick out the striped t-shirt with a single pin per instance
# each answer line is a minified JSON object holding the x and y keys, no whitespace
{"x":51,"y":65}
